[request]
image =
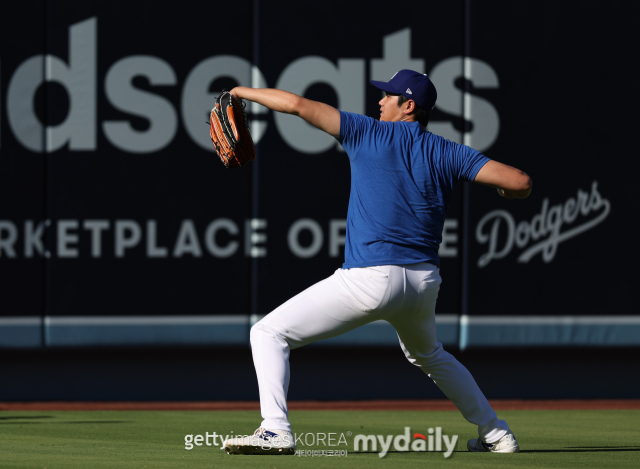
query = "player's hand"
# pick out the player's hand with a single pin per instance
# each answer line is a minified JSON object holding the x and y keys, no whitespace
{"x":506,"y":193}
{"x":234,"y":93}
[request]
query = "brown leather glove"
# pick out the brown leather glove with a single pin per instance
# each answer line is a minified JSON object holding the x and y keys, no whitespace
{"x":230,"y":131}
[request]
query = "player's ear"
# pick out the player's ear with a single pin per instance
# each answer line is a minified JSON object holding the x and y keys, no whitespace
{"x":411,"y":106}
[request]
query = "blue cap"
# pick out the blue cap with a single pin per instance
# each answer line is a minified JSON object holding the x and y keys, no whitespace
{"x":411,"y":85}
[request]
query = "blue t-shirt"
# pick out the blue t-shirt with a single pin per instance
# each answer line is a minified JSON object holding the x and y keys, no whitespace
{"x":401,"y":182}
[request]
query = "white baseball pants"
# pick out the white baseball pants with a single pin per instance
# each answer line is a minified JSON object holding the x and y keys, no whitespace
{"x":403,"y":295}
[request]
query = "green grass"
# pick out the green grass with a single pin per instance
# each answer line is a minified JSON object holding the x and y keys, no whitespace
{"x":143,"y":439}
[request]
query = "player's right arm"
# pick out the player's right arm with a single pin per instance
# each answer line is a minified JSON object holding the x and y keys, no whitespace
{"x":320,"y":115}
{"x":509,"y":181}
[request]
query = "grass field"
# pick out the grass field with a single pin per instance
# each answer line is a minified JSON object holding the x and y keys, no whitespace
{"x":155,"y":439}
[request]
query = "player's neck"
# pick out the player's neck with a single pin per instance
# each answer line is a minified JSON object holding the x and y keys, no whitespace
{"x":410,"y":118}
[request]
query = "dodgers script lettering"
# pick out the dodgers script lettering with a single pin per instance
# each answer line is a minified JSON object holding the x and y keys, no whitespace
{"x":544,"y":229}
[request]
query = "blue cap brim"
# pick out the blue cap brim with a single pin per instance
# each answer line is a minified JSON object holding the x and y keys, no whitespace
{"x":384,"y":86}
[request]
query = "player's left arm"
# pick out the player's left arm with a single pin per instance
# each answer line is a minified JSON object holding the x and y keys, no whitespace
{"x":509,"y":181}
{"x":320,"y":115}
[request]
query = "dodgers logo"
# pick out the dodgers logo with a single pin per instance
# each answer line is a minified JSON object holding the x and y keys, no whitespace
{"x":545,"y":230}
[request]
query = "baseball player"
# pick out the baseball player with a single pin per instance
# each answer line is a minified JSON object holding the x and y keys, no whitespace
{"x":402,"y":177}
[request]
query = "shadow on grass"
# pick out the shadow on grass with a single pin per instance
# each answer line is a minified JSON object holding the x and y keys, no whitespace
{"x":72,"y":423}
{"x":602,"y":447}
{"x":401,"y":452}
{"x":585,"y":449}
{"x":20,"y":417}
{"x":571,"y":449}
{"x":98,"y":421}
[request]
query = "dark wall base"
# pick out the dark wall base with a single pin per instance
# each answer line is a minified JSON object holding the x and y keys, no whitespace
{"x":317,"y":373}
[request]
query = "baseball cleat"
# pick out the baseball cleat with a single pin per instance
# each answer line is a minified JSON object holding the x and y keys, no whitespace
{"x":263,"y":441}
{"x":506,"y":444}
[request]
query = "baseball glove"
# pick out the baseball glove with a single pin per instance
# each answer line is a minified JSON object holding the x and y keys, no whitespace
{"x":230,"y":131}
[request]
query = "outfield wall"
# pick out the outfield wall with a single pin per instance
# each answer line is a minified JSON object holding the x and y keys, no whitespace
{"x":317,"y":373}
{"x":120,"y":227}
